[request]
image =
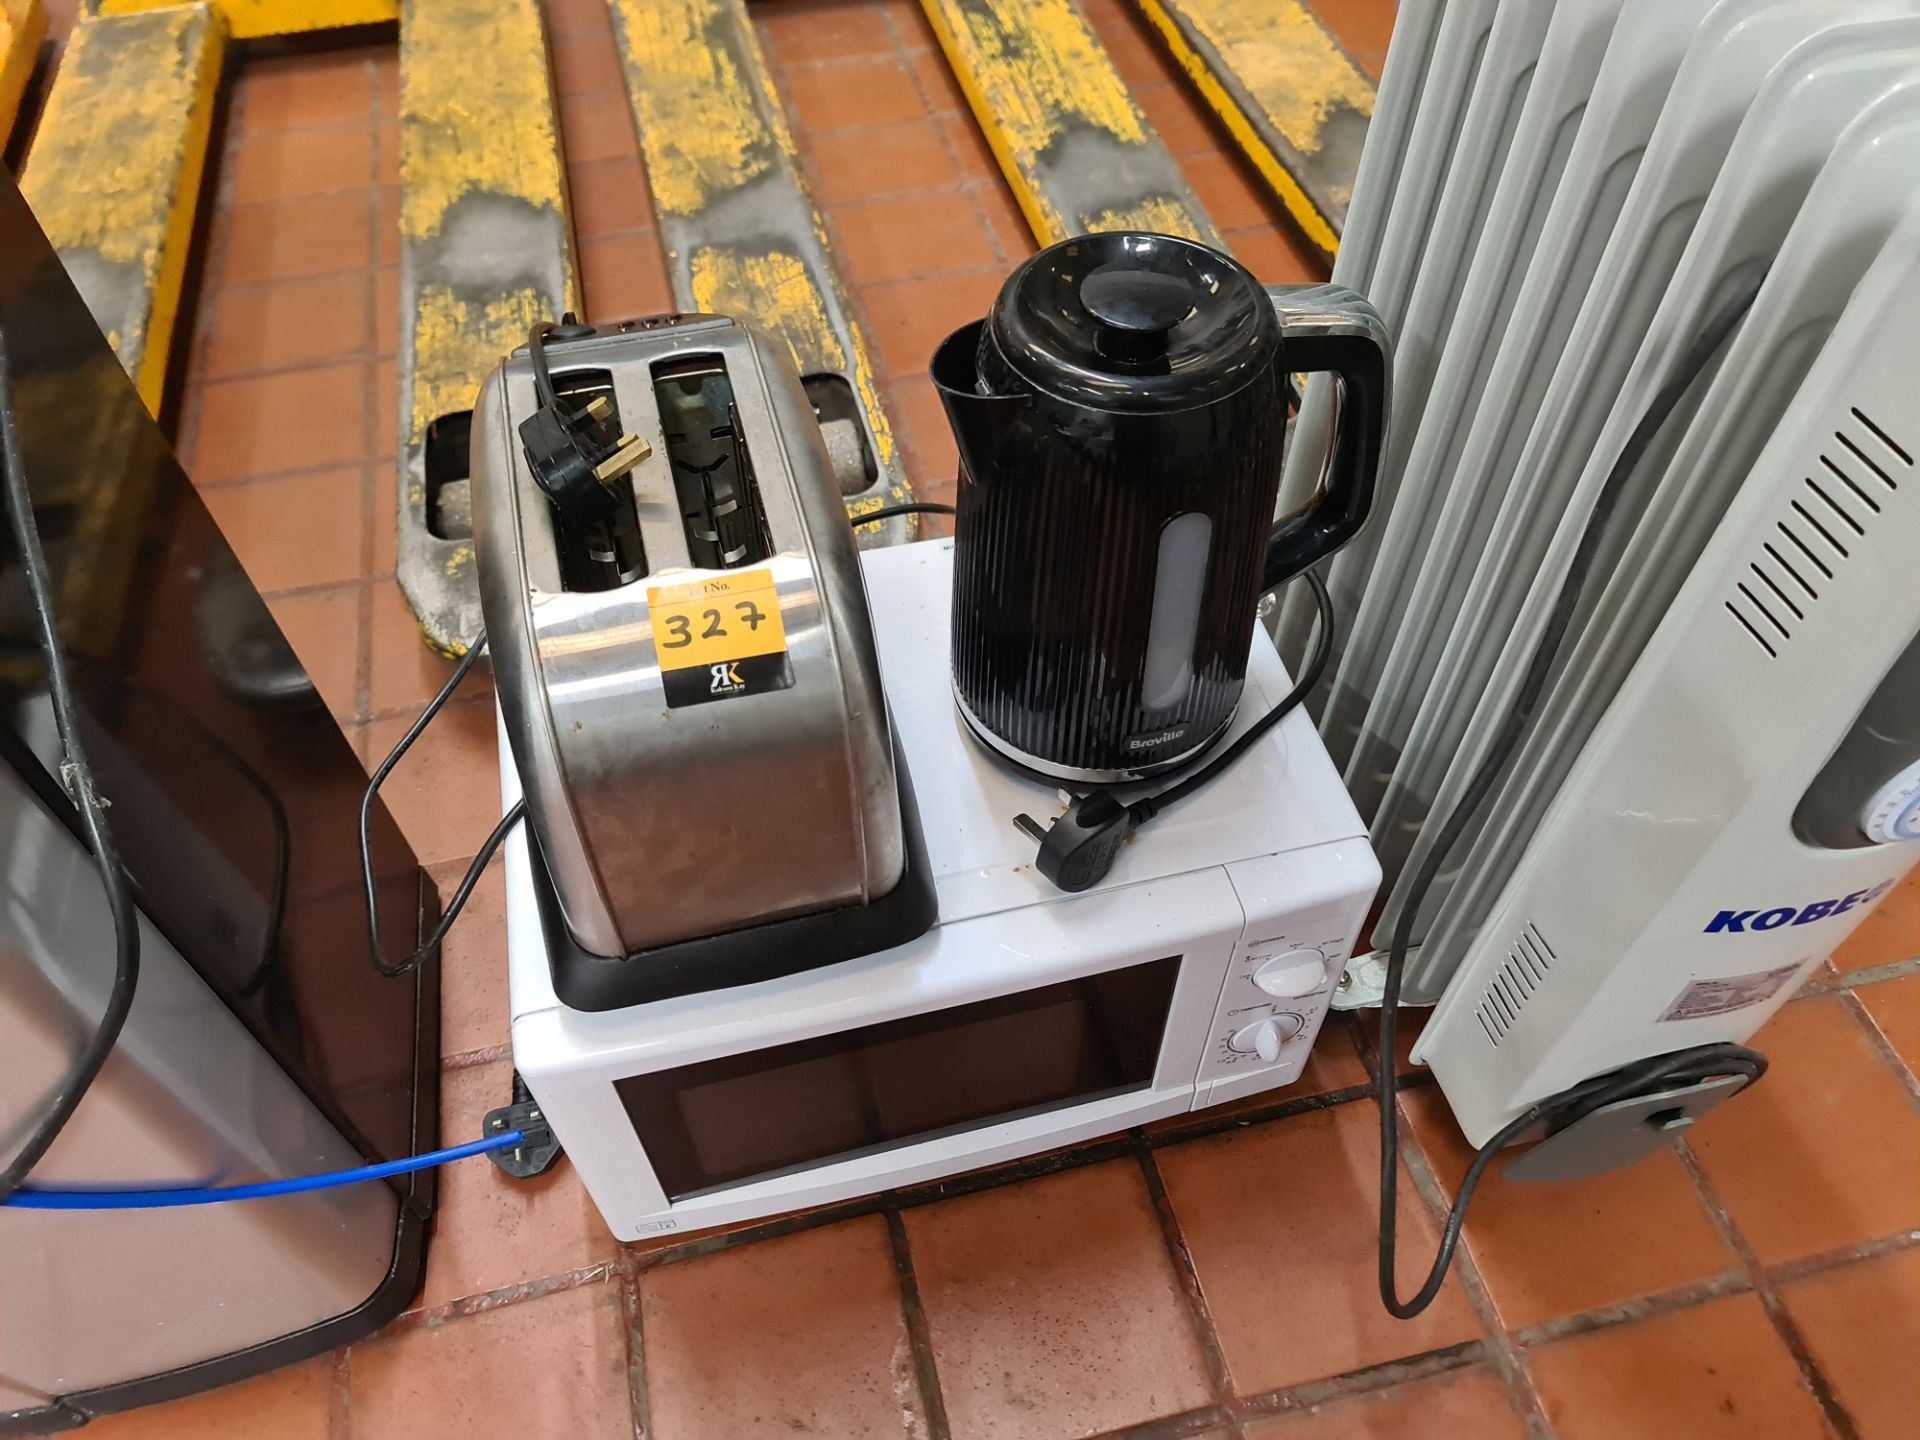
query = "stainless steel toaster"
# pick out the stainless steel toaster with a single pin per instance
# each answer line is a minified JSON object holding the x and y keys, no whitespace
{"x":687,"y":677}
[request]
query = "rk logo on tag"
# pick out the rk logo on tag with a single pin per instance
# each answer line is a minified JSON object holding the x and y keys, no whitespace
{"x":719,"y":637}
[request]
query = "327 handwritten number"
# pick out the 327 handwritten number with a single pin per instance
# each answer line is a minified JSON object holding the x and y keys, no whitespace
{"x":680,"y":628}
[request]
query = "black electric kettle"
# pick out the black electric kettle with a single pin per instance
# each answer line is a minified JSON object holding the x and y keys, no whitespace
{"x":1120,"y":416}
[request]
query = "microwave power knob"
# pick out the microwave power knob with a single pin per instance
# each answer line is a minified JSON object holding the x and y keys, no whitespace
{"x":1286,"y":977}
{"x":1265,"y":1037}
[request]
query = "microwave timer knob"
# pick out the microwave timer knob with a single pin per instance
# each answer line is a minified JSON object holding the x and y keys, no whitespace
{"x":1289,"y":976}
{"x":1265,"y":1037}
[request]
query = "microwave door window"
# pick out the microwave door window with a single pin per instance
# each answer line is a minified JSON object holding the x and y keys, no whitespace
{"x":876,"y":1087}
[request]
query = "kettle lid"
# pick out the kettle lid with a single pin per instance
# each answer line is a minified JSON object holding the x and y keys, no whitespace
{"x":1133,"y":321}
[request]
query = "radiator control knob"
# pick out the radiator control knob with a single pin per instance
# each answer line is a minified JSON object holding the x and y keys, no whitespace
{"x":1265,"y":1037}
{"x":1300,"y":972}
{"x":1894,"y":812}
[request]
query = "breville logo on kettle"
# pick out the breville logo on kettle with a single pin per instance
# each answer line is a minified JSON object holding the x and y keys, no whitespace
{"x":1120,"y":416}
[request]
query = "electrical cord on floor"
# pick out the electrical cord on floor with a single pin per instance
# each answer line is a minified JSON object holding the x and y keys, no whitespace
{"x":1555,"y":1111}
{"x":908,"y":507}
{"x":168,"y":1198}
{"x":1078,"y":848}
{"x":76,"y":775}
{"x":465,"y":890}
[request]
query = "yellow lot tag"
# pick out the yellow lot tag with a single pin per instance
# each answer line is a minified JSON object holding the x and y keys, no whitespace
{"x":710,"y":622}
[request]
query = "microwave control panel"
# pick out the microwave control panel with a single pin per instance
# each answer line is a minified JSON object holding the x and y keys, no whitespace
{"x":1278,"y":987}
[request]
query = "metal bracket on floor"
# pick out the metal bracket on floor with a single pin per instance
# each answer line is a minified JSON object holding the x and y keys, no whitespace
{"x":1290,"y":94}
{"x":1077,"y":151}
{"x":114,"y":174}
{"x":740,"y":229}
{"x":486,"y":249}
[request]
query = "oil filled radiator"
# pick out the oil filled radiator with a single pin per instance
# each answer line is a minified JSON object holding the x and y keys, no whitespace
{"x":1723,"y":769}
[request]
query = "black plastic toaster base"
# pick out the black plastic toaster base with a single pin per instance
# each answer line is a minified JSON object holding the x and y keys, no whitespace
{"x":585,"y":981}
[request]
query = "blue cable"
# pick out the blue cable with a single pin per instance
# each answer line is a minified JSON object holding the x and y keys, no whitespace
{"x":55,"y":1198}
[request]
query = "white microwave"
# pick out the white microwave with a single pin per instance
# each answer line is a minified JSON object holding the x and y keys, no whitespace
{"x":1198,"y":972}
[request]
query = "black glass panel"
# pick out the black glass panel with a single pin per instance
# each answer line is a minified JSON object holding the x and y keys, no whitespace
{"x":880,"y":1086}
{"x":234,"y":794}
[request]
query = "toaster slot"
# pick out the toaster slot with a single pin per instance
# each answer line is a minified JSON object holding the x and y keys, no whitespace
{"x":713,"y":477}
{"x":602,"y":553}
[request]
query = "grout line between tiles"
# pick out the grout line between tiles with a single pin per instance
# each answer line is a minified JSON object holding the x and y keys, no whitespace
{"x":1838,"y":1421}
{"x":473,"y":1059}
{"x":1207,"y":1420}
{"x":1199,"y":1313}
{"x":1646,"y":1307}
{"x":1867,"y":975}
{"x":636,"y":1347}
{"x":1508,"y":1359}
{"x":1881,"y":1046}
{"x":431,"y":1317}
{"x":1807,"y":1266}
{"x":1364,"y":1381}
{"x":339,"y":1396}
{"x":926,"y":1369}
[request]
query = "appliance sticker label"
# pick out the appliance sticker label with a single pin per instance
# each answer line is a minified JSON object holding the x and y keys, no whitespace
{"x":1728,"y":993}
{"x":719,"y":637}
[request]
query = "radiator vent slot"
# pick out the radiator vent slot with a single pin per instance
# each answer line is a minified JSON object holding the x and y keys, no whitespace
{"x":1516,"y":982}
{"x":1836,"y":507}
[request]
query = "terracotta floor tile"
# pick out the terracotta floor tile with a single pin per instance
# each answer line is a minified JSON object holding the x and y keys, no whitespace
{"x":1895,"y":1007}
{"x":272,"y":423}
{"x":1407,"y":1027}
{"x":933,"y":79}
{"x":492,"y":1230}
{"x":385,"y":62}
{"x":909,"y":235}
{"x":473,"y":964}
{"x":969,"y":147}
{"x":1639,"y":1231}
{"x":901,"y":158}
{"x":573,"y":17}
{"x":1712,"y":1370}
{"x":806,"y":31}
{"x":1890,"y":933}
{"x":1862,"y":1324}
{"x":909,"y":318}
{"x":921,"y":425}
{"x":1234,"y":193}
{"x":323,"y":626}
{"x":597,"y":126}
{"x":282,"y":164}
{"x":1278,"y":254}
{"x":555,"y":1365}
{"x":386,"y":169}
{"x":405,"y":674}
{"x":609,"y":197}
{"x":387,"y":225}
{"x":623,"y":276}
{"x":295,"y":531}
{"x":1007,"y":223}
{"x":290,"y":1404}
{"x":386,"y":310}
{"x":1461,"y":1403}
{"x":583,"y":64}
{"x":1825,"y":1151}
{"x":1054,"y":1308}
{"x":859,"y":92}
{"x":1299,"y":1197}
{"x":291,"y":238}
{"x":444,"y":794}
{"x":1179,"y":119}
{"x":1137,"y":53}
{"x":283,"y":323}
{"x":287,"y":92}
{"x":386,"y":408}
{"x":384,"y":518}
{"x":797,"y":1336}
{"x":1363,"y":26}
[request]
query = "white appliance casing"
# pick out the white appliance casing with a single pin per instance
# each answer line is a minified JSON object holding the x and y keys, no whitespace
{"x":1270,"y":862}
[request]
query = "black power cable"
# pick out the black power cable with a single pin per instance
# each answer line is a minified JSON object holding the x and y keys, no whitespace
{"x":77,"y":776}
{"x":1629,"y":1080}
{"x":493,"y":842}
{"x":908,"y":507}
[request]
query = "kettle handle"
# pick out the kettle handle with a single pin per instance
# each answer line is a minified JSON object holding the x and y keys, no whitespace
{"x":1331,"y":328}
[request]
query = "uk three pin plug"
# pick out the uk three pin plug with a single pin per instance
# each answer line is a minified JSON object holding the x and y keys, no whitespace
{"x":1079,"y":848}
{"x":538,"y":1147}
